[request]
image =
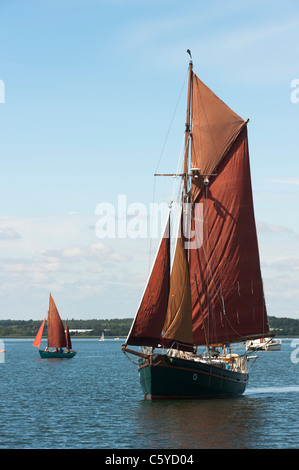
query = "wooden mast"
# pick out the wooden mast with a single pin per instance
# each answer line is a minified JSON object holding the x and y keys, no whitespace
{"x":188,"y":130}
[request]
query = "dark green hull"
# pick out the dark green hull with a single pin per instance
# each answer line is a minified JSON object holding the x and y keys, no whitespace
{"x":175,"y":378}
{"x":56,"y":355}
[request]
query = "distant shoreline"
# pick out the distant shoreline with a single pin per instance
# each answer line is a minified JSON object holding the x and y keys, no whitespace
{"x":281,"y":327}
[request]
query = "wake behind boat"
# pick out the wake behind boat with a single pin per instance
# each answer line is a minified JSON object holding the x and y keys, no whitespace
{"x":213,"y":295}
{"x":58,"y":338}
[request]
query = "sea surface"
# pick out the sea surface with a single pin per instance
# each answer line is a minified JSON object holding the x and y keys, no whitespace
{"x":94,"y":401}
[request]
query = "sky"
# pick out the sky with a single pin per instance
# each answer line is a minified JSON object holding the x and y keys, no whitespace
{"x":93,"y":103}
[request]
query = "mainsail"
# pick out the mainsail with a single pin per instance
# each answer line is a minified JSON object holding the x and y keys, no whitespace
{"x":227,"y":265}
{"x":56,"y":334}
{"x":215,"y":293}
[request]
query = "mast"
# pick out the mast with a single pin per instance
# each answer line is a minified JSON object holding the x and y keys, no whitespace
{"x":68,"y":337}
{"x":188,"y":132}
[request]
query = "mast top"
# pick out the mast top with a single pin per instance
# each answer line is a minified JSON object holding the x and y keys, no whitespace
{"x":189,"y":52}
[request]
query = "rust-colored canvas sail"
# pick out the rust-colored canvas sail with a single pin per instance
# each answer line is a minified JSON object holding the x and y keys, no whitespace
{"x":148,"y":323}
{"x":39,"y":335}
{"x":56,"y":335}
{"x":68,"y":337}
{"x":227,"y":264}
{"x":215,"y":292}
{"x":177,"y":327}
{"x":214,"y":128}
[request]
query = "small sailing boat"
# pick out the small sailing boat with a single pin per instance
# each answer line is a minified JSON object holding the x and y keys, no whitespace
{"x":102,"y":338}
{"x":212,"y":297}
{"x":58,"y":338}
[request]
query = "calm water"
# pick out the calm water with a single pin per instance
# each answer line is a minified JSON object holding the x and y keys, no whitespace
{"x":94,"y":401}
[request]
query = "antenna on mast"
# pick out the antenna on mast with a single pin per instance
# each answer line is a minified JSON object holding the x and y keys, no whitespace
{"x":189,"y":52}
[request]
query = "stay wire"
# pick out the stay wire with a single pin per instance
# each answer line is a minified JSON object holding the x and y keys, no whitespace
{"x":162,"y":152}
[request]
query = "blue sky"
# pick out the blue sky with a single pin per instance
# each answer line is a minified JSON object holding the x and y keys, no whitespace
{"x":90,"y":93}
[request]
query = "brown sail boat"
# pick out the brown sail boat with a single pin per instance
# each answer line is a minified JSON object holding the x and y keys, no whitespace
{"x":213,"y":295}
{"x":58,"y":338}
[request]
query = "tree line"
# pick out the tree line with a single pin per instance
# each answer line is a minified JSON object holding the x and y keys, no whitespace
{"x":113,"y":327}
{"x":117,"y":327}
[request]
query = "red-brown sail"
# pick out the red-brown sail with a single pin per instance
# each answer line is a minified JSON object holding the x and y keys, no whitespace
{"x":214,"y":127}
{"x":149,"y":320}
{"x":227,"y":298}
{"x":39,"y":335}
{"x":177,"y":327}
{"x":56,"y":335}
{"x":227,"y":265}
{"x":68,"y":337}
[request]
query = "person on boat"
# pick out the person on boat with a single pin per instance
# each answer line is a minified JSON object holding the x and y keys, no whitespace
{"x":60,"y":350}
{"x":56,"y":350}
{"x":214,"y":352}
{"x":46,"y":348}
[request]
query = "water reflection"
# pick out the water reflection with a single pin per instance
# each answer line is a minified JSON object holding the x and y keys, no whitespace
{"x":200,"y":424}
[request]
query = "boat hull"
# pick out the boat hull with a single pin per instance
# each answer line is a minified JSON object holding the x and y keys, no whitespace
{"x":264,"y":346}
{"x":56,"y":355}
{"x":273,"y":347}
{"x":176,"y":378}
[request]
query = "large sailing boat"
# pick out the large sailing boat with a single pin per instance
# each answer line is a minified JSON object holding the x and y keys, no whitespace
{"x":213,"y":296}
{"x":58,"y":338}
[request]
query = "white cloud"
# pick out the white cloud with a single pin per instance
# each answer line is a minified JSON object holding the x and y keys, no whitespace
{"x":8,"y":233}
{"x":59,"y":255}
{"x":13,"y":267}
{"x":289,"y":180}
{"x":265,"y":227}
{"x":72,"y":252}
